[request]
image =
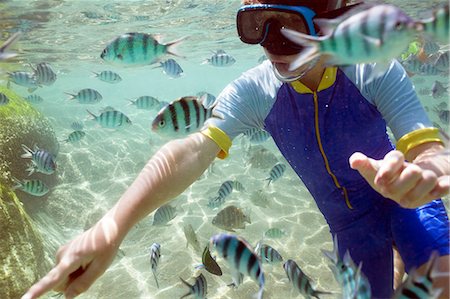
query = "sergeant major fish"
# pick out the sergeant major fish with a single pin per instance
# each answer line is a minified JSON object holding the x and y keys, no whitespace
{"x":300,"y":280}
{"x":231,"y":218}
{"x":108,"y":77}
{"x":146,"y":102}
{"x":268,"y":254}
{"x":182,"y":116}
{"x":420,"y":286}
{"x":75,"y":136}
{"x":155,"y":255}
{"x":42,"y":160}
{"x":220,"y":59}
{"x":24,"y":79}
{"x":276,"y":172}
{"x":171,"y":68}
{"x":44,"y":73}
{"x":137,"y":49}
{"x":4,"y":100}
{"x":86,"y":96}
{"x":240,"y":257}
{"x":198,"y":289}
{"x":164,"y":214}
{"x":377,"y":34}
{"x":111,"y":119}
{"x":224,"y":190}
{"x":353,"y":282}
{"x":4,"y":54}
{"x":33,"y":187}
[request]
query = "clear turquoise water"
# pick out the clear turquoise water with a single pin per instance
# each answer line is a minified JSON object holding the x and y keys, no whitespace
{"x":71,"y":35}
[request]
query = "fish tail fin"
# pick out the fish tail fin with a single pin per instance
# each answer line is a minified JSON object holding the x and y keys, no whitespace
{"x":311,"y":46}
{"x":92,"y":114}
{"x":72,"y":96}
{"x":172,"y":46}
{"x":188,"y":285}
{"x":9,"y":42}
{"x":259,"y":295}
{"x":156,"y":279}
{"x":30,"y":169}
{"x":17,"y":183}
{"x":28,"y":152}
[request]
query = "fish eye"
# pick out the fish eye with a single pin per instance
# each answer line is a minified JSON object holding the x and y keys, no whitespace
{"x":399,"y":25}
{"x":162,"y":123}
{"x":120,"y":56}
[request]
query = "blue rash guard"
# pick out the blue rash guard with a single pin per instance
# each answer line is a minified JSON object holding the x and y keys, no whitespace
{"x":317,"y":132}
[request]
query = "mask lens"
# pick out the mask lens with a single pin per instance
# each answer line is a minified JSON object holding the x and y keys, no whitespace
{"x":252,"y":22}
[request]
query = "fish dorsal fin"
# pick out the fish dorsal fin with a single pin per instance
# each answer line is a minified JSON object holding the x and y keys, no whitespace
{"x":327,"y":26}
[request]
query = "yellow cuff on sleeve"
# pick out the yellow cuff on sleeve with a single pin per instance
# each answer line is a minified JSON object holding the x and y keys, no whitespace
{"x":219,"y":137}
{"x":418,"y":137}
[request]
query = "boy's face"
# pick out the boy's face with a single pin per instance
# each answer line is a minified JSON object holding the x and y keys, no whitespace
{"x":262,"y":24}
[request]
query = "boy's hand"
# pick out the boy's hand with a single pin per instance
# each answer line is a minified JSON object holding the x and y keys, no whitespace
{"x":409,"y":184}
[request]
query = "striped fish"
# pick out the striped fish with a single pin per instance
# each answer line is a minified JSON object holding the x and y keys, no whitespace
{"x":33,"y":187}
{"x":75,"y":136}
{"x":420,"y":286}
{"x":146,"y":102}
{"x":231,"y":218}
{"x":34,"y":98}
{"x":171,"y":68}
{"x":224,"y":190}
{"x":137,"y":49}
{"x":42,"y":161}
{"x":198,"y":289}
{"x":259,"y":198}
{"x":24,"y":79}
{"x":300,"y":280}
{"x":428,"y":69}
{"x":164,"y":214}
{"x":86,"y":96}
{"x":412,"y":64}
{"x":438,"y":89}
{"x":240,"y":257}
{"x":353,"y":282}
{"x":207,"y":99}
{"x":257,"y":136}
{"x":220,"y":59}
{"x":182,"y":116}
{"x":376,"y":34}
{"x":443,"y":114}
{"x":276,"y":172}
{"x":77,"y":126}
{"x":111,"y":119}
{"x":274,"y":233}
{"x":437,"y":26}
{"x":155,"y":255}
{"x":44,"y":73}
{"x":430,"y":47}
{"x":4,"y":100}
{"x":4,"y":54}
{"x":108,"y":76}
{"x":268,"y":254}
{"x":442,"y":62}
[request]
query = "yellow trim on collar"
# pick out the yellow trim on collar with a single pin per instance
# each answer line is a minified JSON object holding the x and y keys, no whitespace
{"x":328,"y":79}
{"x":219,"y":137}
{"x":418,"y":137}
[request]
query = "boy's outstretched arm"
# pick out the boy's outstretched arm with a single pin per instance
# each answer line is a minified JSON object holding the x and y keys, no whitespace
{"x":167,"y":174}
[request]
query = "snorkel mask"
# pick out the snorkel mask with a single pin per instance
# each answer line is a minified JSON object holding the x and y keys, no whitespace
{"x":262,"y":24}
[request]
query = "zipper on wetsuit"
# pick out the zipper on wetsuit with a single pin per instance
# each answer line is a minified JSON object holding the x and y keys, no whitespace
{"x":322,"y":152}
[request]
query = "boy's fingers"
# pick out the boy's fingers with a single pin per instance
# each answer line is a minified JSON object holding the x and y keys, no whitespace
{"x":367,"y":167}
{"x":56,"y":277}
{"x":390,"y":167}
{"x":84,"y":281}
